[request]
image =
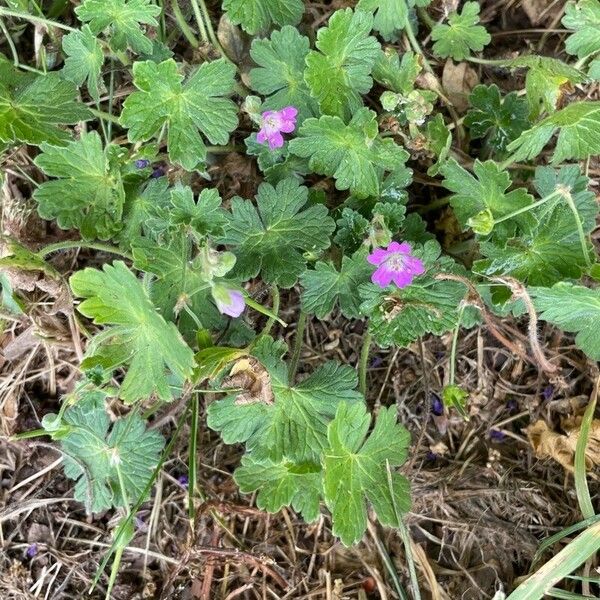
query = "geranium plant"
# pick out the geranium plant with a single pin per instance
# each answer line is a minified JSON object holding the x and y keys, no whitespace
{"x":335,"y":218}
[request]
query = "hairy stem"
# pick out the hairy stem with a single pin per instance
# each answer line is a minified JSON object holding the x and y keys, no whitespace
{"x":5,"y":12}
{"x":364,"y":359}
{"x":68,"y":245}
{"x":185,"y":28}
{"x":274,"y":310}
{"x":300,"y":327}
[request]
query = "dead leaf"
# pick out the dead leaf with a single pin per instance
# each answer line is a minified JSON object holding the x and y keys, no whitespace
{"x":561,"y":447}
{"x":538,"y":11}
{"x":233,"y":40}
{"x":250,"y":375}
{"x":458,"y":80}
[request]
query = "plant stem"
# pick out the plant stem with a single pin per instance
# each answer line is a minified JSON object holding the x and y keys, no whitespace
{"x":11,"y":44}
{"x":185,"y":28}
{"x":455,"y":344}
{"x":193,"y":465}
{"x":582,"y":239}
{"x":274,"y":310}
{"x":300,"y":327}
{"x":364,"y":359}
{"x":104,"y":115}
{"x":410,"y":34}
{"x":529,"y":207}
{"x":5,"y":12}
{"x":200,"y":21}
{"x":81,"y":244}
{"x":487,"y":61}
{"x":211,"y":32}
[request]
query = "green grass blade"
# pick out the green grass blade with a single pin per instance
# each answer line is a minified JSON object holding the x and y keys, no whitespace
{"x":564,"y":563}
{"x":581,"y":486}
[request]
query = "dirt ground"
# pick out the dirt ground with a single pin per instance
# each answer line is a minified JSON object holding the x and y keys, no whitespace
{"x":482,"y":500}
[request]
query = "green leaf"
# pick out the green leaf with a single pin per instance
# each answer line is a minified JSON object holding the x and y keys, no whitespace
{"x":454,"y":396}
{"x":180,"y":281}
{"x":123,"y":18}
{"x":578,"y":125}
{"x":545,"y":80}
{"x":211,"y":361}
{"x":8,"y":299}
{"x":84,"y":60}
{"x":547,"y":249}
{"x":146,"y":207}
{"x":282,"y":483}
{"x":270,"y":238}
{"x":294,"y":425}
{"x":439,"y":142}
{"x":33,"y":107}
{"x":257,"y":15}
{"x":583,"y":17}
{"x":573,"y":308}
{"x":96,"y":453}
{"x":325,"y":286}
{"x":139,"y":336}
{"x":390,"y":16}
{"x":462,"y":35}
{"x":354,"y":154}
{"x":352,"y":230}
{"x":358,"y":468}
{"x":197,"y":104}
{"x":280,"y":74}
{"x":339,"y":72}
{"x":486,"y":192}
{"x":428,"y":305}
{"x":500,"y":120}
{"x":398,"y":76}
{"x":88,"y":194}
{"x":203,"y":217}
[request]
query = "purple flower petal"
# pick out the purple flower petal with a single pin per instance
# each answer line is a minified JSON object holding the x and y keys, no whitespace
{"x":377,"y":256}
{"x":437,"y":406}
{"x":382,"y":276}
{"x":275,"y":140}
{"x":31,"y":551}
{"x":395,"y":263}
{"x":232,"y":303}
{"x":274,"y":123}
{"x":142,"y":163}
{"x":289,"y":113}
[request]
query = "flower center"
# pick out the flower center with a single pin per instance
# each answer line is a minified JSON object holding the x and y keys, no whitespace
{"x":396,"y":262}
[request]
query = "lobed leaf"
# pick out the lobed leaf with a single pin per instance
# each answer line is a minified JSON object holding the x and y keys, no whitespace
{"x":123,"y":18}
{"x":354,"y":154}
{"x":257,"y":15}
{"x":270,"y":238}
{"x":325,"y":286}
{"x":101,"y":457}
{"x":138,"y":336}
{"x":578,"y":125}
{"x":32,"y":108}
{"x":280,"y":74}
{"x":461,"y":35}
{"x":184,"y":108}
{"x":358,"y":468}
{"x":88,"y":193}
{"x":84,"y":60}
{"x":574,"y":308}
{"x":339,"y":71}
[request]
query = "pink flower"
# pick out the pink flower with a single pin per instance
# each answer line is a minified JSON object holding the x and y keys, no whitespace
{"x":229,"y":302}
{"x":396,"y":264}
{"x":274,"y":122}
